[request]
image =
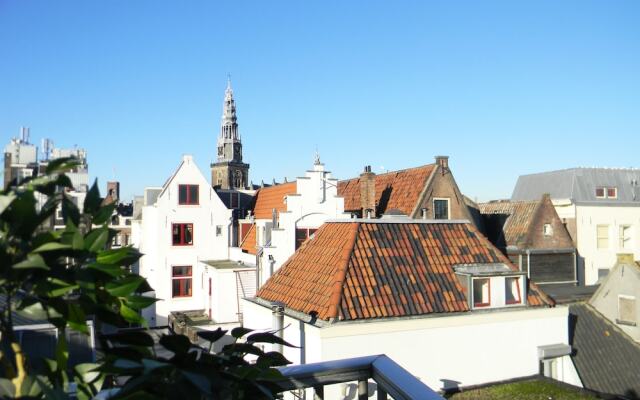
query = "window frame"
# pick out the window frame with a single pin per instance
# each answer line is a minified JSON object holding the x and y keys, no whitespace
{"x":519,"y":285}
{"x":549,"y":232}
{"x":187,"y":277}
{"x":309,"y":232}
{"x":189,"y":201}
{"x":621,"y":238}
{"x":604,"y":192}
{"x":615,"y":192}
{"x":448,"y":208}
{"x":182,"y":234}
{"x":473,"y":295}
{"x":598,"y":237}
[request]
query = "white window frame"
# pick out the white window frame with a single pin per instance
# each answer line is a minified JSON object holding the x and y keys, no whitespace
{"x":620,"y":320}
{"x":547,"y":230}
{"x":473,"y":294}
{"x":433,"y":205}
{"x":598,"y":237}
{"x":622,"y":239}
{"x":606,"y":192}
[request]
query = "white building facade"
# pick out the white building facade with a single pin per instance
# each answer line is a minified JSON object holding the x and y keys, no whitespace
{"x":601,"y":209}
{"x":183,"y":227}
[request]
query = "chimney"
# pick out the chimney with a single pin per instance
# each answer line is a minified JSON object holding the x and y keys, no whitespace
{"x":113,"y":190}
{"x":624,"y":258}
{"x":443,"y":162}
{"x":368,"y":192}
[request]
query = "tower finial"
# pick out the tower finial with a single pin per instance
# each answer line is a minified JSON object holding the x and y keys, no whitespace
{"x":316,"y":159}
{"x":228,"y":80}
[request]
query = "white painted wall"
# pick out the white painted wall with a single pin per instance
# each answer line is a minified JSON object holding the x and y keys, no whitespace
{"x":315,"y":201}
{"x":470,"y":349}
{"x":160,"y":255}
{"x":587,"y":220}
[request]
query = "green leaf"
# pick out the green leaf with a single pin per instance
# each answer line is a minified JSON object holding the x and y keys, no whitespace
{"x":103,"y":214}
{"x":62,"y":165}
{"x":179,"y":344}
{"x":62,"y":350}
{"x":212,"y":336}
{"x":77,"y":318}
{"x":266,"y":337}
{"x":7,"y":390}
{"x":96,"y":239}
{"x":92,"y":200}
{"x":130,"y":314}
{"x":6,"y":200}
{"x":32,"y":309}
{"x":33,"y":261}
{"x":51,"y":246}
{"x":240,"y":332}
{"x":113,"y":270}
{"x":140,"y":302}
{"x":87,"y":372}
{"x":124,"y":287}
{"x":122,"y":256}
{"x":58,"y":287}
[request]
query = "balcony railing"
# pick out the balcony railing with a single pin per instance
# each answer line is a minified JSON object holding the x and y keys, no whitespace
{"x":391,"y":379}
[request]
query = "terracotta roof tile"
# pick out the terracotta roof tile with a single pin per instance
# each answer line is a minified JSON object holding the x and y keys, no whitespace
{"x":394,"y":190}
{"x":249,"y":242}
{"x":360,"y":270}
{"x":268,"y":198}
{"x":516,"y":216}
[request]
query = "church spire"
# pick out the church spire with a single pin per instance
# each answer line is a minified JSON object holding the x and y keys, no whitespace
{"x":229,"y":172}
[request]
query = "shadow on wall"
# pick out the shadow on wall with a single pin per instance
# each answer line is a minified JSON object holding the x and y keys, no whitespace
{"x":449,"y":385}
{"x":350,"y":390}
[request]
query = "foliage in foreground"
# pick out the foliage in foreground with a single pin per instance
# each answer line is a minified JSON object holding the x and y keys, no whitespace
{"x":69,"y":276}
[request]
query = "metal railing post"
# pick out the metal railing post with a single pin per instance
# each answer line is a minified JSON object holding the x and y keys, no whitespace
{"x":318,"y":393}
{"x":363,"y":390}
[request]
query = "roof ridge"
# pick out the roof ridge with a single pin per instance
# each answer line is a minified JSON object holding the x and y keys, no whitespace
{"x":345,"y":257}
{"x":391,"y":172}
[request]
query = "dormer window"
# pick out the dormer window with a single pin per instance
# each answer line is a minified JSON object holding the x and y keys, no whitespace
{"x":188,"y":194}
{"x":606,"y":192}
{"x":492,"y":285}
{"x":481,"y":292}
{"x":512,"y":290}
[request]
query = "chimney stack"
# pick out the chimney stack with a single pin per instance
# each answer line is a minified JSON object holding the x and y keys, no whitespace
{"x":443,"y":162}
{"x":368,"y":192}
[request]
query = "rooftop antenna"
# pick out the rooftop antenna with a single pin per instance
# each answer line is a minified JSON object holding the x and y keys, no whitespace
{"x":316,"y":159}
{"x":24,"y":135}
{"x":47,"y":146}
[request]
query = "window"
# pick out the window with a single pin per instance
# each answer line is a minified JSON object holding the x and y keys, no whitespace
{"x":235,"y":200}
{"x":302,"y":234}
{"x":182,"y":234}
{"x":626,"y":310}
{"x":441,"y":208}
{"x":187,"y":194}
{"x":218,"y":230}
{"x":625,"y":237}
{"x":547,"y":230}
{"x":603,"y":192}
{"x":512,"y":290}
{"x":602,"y":236}
{"x":181,"y":281}
{"x":481,"y":292}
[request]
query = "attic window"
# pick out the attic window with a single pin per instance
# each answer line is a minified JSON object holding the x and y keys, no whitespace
{"x":600,"y":192}
{"x":626,"y":310}
{"x":512,"y":290}
{"x":440,"y":208}
{"x":187,"y":194}
{"x":612,"y":193}
{"x":604,"y":192}
{"x":547,"y":230}
{"x":481,"y":292}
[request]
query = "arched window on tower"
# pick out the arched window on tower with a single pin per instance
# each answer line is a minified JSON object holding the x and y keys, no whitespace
{"x":237,"y":182}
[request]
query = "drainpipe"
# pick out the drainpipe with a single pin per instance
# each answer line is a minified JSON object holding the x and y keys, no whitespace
{"x":528,"y":264}
{"x":272,"y":262}
{"x":277,"y":309}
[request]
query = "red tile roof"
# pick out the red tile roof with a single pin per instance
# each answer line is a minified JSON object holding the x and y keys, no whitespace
{"x":517,"y":217}
{"x":271,"y":197}
{"x":362,"y":270}
{"x":398,"y":189}
{"x":249,"y":241}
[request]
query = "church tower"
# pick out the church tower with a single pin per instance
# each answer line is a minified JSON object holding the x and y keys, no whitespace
{"x":229,"y":172}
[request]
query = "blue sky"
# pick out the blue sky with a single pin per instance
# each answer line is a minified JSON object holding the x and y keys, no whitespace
{"x":504,"y":88}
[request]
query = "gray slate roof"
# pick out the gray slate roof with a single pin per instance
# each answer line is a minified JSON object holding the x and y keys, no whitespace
{"x":607,"y":360}
{"x":579,"y":184}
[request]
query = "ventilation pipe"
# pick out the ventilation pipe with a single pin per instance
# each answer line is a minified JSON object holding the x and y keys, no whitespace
{"x":424,"y":213}
{"x":277,"y":309}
